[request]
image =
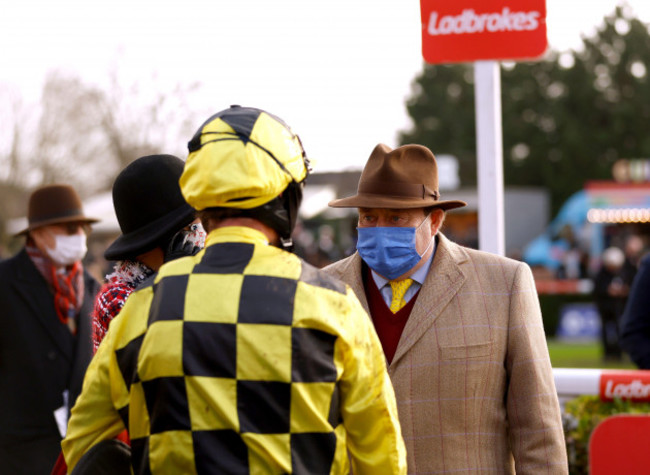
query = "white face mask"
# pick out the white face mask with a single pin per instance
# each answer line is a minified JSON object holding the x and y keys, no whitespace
{"x":68,"y":249}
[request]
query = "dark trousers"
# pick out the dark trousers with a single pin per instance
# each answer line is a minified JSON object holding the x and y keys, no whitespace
{"x":35,"y":456}
{"x":610,"y":334}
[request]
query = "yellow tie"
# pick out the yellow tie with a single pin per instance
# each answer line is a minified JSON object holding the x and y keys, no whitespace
{"x":399,"y":289}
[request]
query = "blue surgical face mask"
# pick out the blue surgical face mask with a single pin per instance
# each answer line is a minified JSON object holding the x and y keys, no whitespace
{"x":390,"y":251}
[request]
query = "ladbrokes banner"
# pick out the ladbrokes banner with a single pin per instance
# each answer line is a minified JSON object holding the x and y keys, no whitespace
{"x":472,"y":30}
{"x":633,"y":385}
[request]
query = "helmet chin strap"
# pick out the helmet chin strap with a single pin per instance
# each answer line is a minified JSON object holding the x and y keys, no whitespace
{"x":286,"y":244}
{"x":280,"y":214}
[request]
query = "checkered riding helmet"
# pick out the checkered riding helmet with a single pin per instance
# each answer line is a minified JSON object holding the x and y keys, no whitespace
{"x":245,"y":158}
{"x":242,"y":158}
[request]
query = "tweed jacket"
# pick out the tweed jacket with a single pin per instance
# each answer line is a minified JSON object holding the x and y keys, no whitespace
{"x":472,"y":374}
{"x":39,"y":359}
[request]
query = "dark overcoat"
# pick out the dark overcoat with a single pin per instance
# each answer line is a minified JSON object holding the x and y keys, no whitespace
{"x":39,"y":359}
{"x":635,"y":324}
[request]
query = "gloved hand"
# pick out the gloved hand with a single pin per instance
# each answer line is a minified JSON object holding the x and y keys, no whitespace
{"x":180,"y":246}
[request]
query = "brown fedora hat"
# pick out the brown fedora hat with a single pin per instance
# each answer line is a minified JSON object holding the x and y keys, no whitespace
{"x":404,"y":178}
{"x":54,"y":204}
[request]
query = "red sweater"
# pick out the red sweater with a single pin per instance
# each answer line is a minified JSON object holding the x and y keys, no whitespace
{"x":389,"y":325}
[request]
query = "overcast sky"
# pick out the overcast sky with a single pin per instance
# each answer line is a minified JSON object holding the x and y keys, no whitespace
{"x":338,"y":71}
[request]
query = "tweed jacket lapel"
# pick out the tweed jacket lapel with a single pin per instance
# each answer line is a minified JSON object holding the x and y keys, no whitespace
{"x":443,"y":282}
{"x":38,"y":298}
{"x":349,"y":271}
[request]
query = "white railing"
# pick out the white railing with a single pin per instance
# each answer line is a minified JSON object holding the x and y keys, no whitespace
{"x":606,"y":383}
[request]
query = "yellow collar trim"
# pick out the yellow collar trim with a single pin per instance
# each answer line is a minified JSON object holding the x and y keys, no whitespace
{"x":236,"y":233}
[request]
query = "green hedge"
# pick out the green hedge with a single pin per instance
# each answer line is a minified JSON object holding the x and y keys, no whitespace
{"x":581,"y":416}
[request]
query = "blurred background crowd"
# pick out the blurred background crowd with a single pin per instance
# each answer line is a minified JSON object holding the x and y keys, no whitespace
{"x":576,"y":164}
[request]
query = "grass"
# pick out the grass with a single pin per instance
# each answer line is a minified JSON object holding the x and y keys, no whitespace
{"x":582,"y":355}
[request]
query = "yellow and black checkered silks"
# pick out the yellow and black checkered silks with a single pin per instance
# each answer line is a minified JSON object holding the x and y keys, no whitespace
{"x":242,"y":158}
{"x":242,"y":359}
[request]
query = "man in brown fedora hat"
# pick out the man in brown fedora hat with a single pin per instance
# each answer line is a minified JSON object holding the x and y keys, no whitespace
{"x":46,"y":299}
{"x":461,"y":329}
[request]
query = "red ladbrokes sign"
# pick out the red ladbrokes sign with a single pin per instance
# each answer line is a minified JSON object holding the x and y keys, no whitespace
{"x":472,"y":30}
{"x":633,"y":385}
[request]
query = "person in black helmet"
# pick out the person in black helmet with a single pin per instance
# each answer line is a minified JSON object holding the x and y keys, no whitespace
{"x":242,"y":358}
{"x":157,"y":225}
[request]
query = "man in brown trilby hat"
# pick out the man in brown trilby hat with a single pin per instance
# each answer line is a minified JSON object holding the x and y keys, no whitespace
{"x":46,"y":298}
{"x":461,"y":329}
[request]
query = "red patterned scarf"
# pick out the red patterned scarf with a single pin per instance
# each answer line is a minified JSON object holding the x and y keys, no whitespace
{"x":66,"y":283}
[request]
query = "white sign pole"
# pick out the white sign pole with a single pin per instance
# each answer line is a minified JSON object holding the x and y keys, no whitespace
{"x":489,"y":149}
